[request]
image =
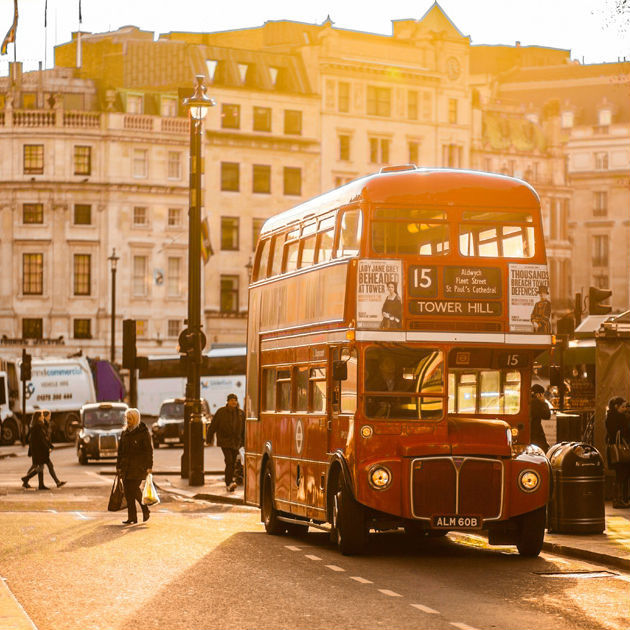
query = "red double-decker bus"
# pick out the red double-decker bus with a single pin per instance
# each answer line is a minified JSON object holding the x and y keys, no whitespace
{"x":393,"y":323}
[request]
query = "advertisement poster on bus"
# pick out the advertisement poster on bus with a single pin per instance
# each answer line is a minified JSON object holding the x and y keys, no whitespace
{"x":530,"y":306}
{"x":378,"y":294}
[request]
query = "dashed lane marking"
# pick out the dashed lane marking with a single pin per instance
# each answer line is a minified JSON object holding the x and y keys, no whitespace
{"x":292,"y":548}
{"x":53,"y":511}
{"x":361,"y":580}
{"x":426,"y":609}
{"x":334,"y":567}
{"x":311,"y":557}
{"x":461,"y":626}
{"x":389,"y":593}
{"x":81,"y":516}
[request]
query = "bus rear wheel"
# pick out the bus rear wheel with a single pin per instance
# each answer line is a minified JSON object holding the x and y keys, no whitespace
{"x":268,"y":513}
{"x":531,"y":532}
{"x":349,"y":523}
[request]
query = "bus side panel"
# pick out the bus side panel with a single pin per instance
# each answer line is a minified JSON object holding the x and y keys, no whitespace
{"x":281,"y":445}
{"x":253,"y":460}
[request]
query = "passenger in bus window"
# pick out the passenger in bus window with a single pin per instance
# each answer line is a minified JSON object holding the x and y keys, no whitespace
{"x":392,"y":308}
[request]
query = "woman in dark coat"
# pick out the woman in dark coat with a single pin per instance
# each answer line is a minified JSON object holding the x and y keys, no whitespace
{"x":39,"y":450}
{"x":135,"y":461}
{"x":618,"y":421}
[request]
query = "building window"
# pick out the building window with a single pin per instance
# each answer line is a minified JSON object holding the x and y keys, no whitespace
{"x":261,"y":178}
{"x":293,"y":122}
{"x":229,"y":233}
{"x":230,"y":116}
{"x":168,"y":106}
{"x":174,"y":277}
{"x":142,"y":327}
{"x":379,"y":101}
{"x":601,"y":281}
{"x":344,"y":147}
{"x":292,"y":180}
{"x":29,"y":100}
{"x":600,"y":208}
{"x":452,"y":155}
{"x":82,"y":329}
{"x":601,"y":160}
{"x":32,"y":328}
{"x":604,"y":117}
{"x":174,"y":327}
{"x":566,"y":120}
{"x":32,"y":213}
{"x":412,"y":105}
{"x":262,"y":118}
{"x":427,"y":105}
{"x":229,"y":294}
{"x":174,"y":217}
{"x":82,"y":160}
{"x":174,"y":165}
{"x":256,"y":228}
{"x":82,"y":274}
{"x":452,"y":111}
{"x":600,"y":250}
{"x":33,"y":274}
{"x":134,"y":104}
{"x":82,"y":214}
{"x":140,"y":163}
{"x":230,"y":176}
{"x":343,"y":97}
{"x":379,"y":150}
{"x":139,"y":280}
{"x":140,"y":216}
{"x":414,"y":151}
{"x":33,"y":159}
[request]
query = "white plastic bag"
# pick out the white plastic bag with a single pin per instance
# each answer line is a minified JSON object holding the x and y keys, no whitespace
{"x":149,"y":493}
{"x":241,"y":455}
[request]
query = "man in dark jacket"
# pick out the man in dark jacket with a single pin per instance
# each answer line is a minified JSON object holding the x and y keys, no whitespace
{"x":39,"y":450}
{"x":135,"y":461}
{"x":229,"y":425}
{"x":539,"y":411}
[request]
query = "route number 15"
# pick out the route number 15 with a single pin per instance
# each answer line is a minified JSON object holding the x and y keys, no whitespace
{"x":422,"y":281}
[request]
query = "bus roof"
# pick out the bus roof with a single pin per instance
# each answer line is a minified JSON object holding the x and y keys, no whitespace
{"x":441,"y":186}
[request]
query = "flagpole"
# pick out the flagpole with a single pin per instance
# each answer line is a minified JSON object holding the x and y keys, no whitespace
{"x":79,"y":39}
{"x":45,"y":33}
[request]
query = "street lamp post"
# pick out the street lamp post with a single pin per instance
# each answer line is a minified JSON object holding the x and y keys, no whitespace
{"x":195,"y":341}
{"x":113,"y":260}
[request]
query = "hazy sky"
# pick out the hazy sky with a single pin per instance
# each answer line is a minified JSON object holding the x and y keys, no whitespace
{"x":591,"y":29}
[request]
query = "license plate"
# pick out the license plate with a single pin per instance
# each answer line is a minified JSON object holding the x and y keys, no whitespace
{"x":171,"y":440}
{"x":108,"y":453}
{"x":455,"y":521}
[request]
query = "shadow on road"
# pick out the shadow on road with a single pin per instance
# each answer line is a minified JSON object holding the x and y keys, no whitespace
{"x":103,"y":534}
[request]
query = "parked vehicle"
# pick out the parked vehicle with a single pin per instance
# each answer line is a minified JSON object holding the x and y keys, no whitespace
{"x":169,"y":427}
{"x":101,"y":426}
{"x":61,"y":385}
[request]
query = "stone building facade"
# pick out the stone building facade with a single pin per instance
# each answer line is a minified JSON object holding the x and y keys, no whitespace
{"x":96,"y":158}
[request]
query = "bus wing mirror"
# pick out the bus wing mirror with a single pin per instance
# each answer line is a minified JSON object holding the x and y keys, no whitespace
{"x":340,"y":371}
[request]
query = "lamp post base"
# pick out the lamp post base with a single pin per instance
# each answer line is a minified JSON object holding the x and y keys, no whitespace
{"x":196,"y":449}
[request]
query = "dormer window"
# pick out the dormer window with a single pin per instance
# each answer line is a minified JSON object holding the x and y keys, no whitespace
{"x":242,"y":71}
{"x":567,"y":119}
{"x":134,"y":104}
{"x":211,"y":66}
{"x":273,"y":74}
{"x":605,"y":117}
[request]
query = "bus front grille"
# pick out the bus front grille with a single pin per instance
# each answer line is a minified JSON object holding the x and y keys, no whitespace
{"x":456,"y":485}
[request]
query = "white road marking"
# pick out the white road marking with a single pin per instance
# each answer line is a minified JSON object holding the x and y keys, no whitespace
{"x":53,"y":511}
{"x":334,"y":567}
{"x":311,"y":557}
{"x":82,"y":516}
{"x":389,"y":593}
{"x":426,"y":609}
{"x":292,"y":548}
{"x":361,"y":580}
{"x":461,"y":626}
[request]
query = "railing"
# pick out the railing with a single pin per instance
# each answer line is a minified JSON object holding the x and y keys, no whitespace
{"x":82,"y":119}
{"x":138,"y":122}
{"x":175,"y":125}
{"x":34,"y":118}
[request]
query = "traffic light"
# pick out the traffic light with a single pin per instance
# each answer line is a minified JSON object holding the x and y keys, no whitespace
{"x":129,"y":344}
{"x":595,"y":297}
{"x":566,"y":325}
{"x":25,"y":370}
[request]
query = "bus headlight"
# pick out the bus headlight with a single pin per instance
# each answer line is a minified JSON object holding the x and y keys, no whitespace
{"x":533,"y":449}
{"x":529,"y":480}
{"x":379,"y":477}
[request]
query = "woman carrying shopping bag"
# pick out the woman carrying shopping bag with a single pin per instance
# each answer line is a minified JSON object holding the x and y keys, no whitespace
{"x":617,"y":430}
{"x":135,"y":461}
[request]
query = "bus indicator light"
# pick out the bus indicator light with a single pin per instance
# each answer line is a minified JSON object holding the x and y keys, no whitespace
{"x":366,"y":431}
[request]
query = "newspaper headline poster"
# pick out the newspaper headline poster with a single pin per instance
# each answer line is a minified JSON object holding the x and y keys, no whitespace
{"x":530,"y":306}
{"x":379,"y":285}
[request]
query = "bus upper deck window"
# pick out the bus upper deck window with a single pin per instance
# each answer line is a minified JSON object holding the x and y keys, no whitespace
{"x":291,"y":250}
{"x":349,"y":233}
{"x":260,"y":272}
{"x":326,"y":239}
{"x":496,"y":234}
{"x":276,"y":262}
{"x":309,"y":240}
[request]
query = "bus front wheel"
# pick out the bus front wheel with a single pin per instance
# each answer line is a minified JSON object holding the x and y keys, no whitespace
{"x":531,"y":532}
{"x":349,"y":523}
{"x":268,"y":513}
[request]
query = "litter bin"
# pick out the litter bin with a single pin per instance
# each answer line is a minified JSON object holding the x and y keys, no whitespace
{"x":577,"y":501}
{"x":568,"y":427}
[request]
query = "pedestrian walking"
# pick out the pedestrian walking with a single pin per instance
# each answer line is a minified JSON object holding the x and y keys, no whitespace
{"x":229,"y":425}
{"x":134,"y":462}
{"x":618,"y":424}
{"x":538,"y":411}
{"x":39,"y":449}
